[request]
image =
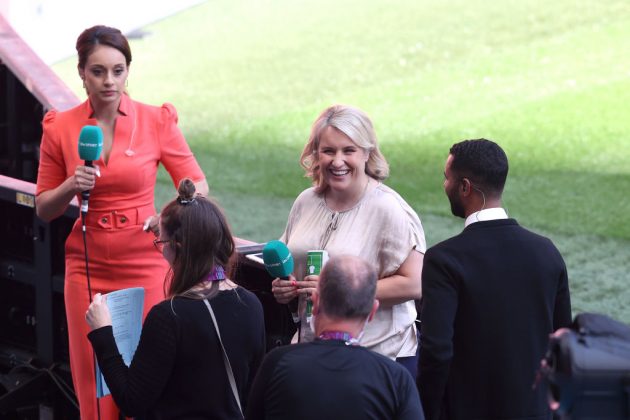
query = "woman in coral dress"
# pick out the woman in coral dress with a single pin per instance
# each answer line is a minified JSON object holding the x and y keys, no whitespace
{"x":121,"y":216}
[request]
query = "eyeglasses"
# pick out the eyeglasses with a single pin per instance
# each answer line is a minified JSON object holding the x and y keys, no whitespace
{"x":159,"y":243}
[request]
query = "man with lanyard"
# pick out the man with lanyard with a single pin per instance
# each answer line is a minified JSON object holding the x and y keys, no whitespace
{"x":333,"y":376}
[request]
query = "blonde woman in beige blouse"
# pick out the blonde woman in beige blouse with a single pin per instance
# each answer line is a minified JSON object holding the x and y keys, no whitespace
{"x":350,"y":211}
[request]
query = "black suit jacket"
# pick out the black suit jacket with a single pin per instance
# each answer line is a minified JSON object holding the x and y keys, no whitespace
{"x":491,"y":297}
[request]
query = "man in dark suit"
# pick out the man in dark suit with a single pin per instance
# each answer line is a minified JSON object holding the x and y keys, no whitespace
{"x":491,"y":297}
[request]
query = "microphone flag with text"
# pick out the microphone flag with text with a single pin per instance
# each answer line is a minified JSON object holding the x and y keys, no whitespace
{"x":90,"y":148}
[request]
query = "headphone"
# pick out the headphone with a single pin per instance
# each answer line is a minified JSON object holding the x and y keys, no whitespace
{"x":483,"y":195}
{"x":473,"y":187}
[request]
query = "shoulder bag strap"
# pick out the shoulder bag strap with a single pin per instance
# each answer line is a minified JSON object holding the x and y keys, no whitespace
{"x":228,"y":366}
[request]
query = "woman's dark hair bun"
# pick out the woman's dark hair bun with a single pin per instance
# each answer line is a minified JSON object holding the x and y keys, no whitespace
{"x":186,"y":189}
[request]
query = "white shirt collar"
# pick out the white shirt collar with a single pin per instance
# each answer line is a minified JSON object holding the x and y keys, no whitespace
{"x":485,"y":215}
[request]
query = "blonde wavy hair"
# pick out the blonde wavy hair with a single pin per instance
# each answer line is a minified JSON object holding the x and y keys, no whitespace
{"x":355,"y":124}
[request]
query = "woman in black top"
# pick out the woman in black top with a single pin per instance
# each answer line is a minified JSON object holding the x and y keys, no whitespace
{"x":178,"y":369}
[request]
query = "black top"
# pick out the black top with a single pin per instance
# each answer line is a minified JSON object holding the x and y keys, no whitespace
{"x":178,"y":369}
{"x":491,"y":297}
{"x":331,"y":380}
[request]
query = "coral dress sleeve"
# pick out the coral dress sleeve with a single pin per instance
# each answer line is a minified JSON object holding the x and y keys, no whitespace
{"x":176,"y":155}
{"x":52,"y":168}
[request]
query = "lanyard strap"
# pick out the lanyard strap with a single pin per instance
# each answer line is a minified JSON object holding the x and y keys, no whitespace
{"x":228,"y":366}
{"x":346,"y":337}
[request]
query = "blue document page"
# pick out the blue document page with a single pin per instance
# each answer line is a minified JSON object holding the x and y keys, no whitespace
{"x":125,"y":307}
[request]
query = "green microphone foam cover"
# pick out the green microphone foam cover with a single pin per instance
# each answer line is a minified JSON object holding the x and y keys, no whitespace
{"x":90,"y":142}
{"x":278,"y":259}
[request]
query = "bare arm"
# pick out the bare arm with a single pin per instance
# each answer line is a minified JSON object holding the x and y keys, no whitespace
{"x":403,"y":285}
{"x":52,"y":203}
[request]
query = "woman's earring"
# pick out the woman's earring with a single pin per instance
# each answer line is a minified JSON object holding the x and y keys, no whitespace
{"x":83,"y":83}
{"x":126,"y":82}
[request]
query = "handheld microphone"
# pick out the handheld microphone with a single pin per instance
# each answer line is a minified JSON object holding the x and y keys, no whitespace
{"x":279,"y":263}
{"x":278,"y":259}
{"x":90,"y":147}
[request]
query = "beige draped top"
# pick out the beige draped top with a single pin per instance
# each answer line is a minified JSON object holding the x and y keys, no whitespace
{"x":382,"y":229}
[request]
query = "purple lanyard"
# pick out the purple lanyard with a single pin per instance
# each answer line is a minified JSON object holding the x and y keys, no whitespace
{"x":217,"y":273}
{"x":339,"y":335}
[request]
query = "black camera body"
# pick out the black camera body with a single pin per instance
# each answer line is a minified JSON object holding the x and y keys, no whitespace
{"x":587,"y":369}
